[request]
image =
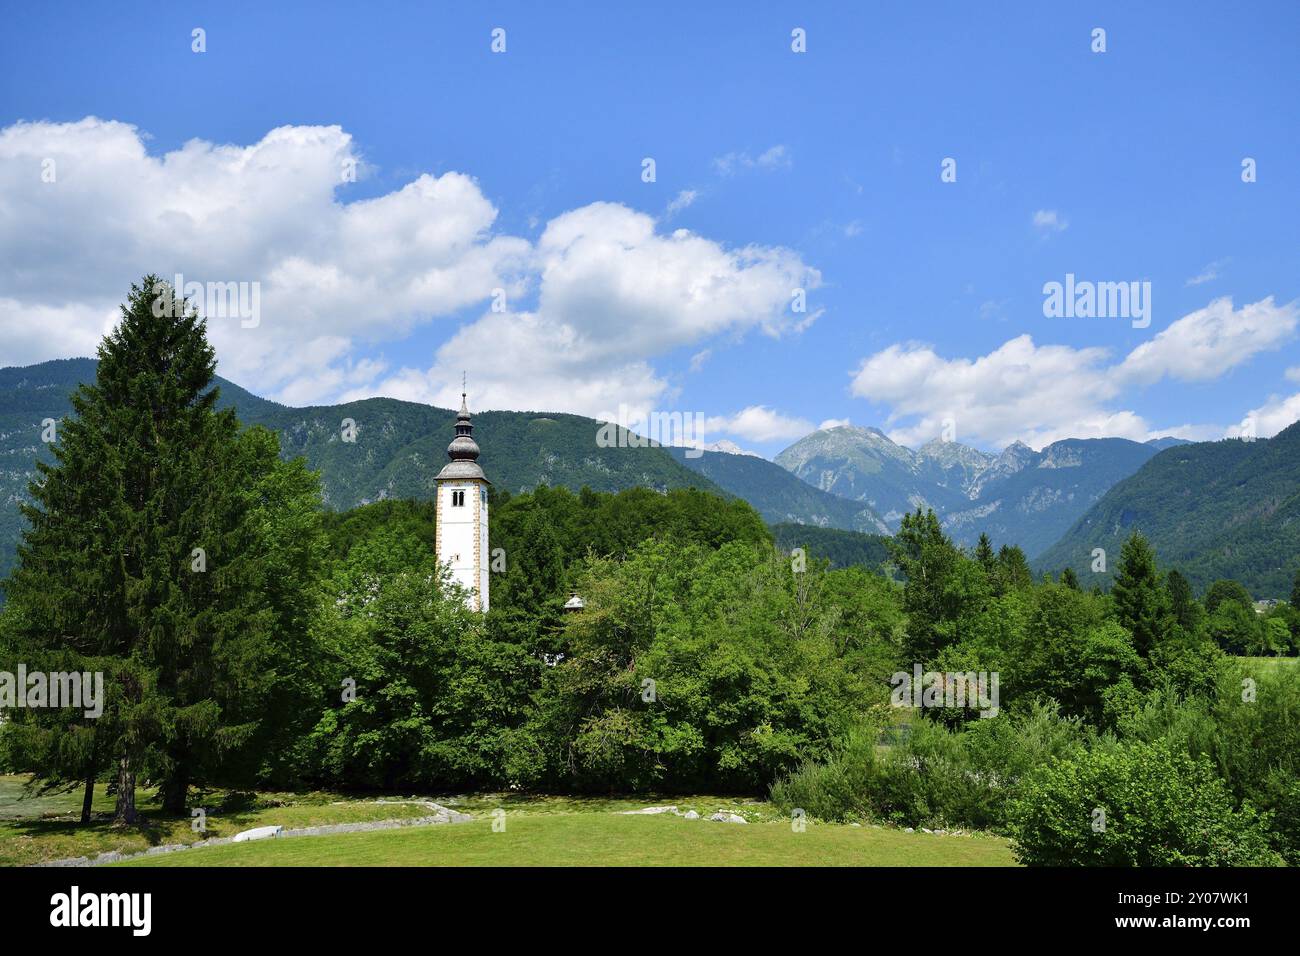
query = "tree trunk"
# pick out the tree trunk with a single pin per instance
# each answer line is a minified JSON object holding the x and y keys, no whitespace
{"x":89,"y":797}
{"x":125,"y":792}
{"x":176,"y":788}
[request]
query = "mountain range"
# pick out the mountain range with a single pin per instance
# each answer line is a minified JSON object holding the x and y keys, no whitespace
{"x":1222,"y":509}
{"x":1215,"y":509}
{"x":1019,"y":496}
{"x":400,"y":446}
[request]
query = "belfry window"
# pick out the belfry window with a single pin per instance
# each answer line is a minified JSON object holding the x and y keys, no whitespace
{"x":458,"y":499}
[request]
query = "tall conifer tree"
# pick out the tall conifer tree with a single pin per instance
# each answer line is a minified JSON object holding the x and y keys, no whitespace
{"x":142,"y":560}
{"x":1141,"y":601}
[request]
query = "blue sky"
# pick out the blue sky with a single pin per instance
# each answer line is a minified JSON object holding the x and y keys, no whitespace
{"x":1115,"y":166}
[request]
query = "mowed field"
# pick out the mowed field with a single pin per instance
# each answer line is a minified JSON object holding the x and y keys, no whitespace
{"x":539,"y":831}
{"x":607,"y":839}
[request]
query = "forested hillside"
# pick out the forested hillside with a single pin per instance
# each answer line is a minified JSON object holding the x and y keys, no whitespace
{"x":398,"y":451}
{"x":1225,"y":509}
{"x":842,"y":548}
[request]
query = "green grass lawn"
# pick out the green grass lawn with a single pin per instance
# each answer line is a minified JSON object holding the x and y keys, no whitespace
{"x":608,"y":839}
{"x":36,"y":828}
{"x":540,"y":831}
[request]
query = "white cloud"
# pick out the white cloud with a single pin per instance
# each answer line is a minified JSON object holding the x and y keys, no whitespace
{"x":1208,"y":274}
{"x":773,"y":158}
{"x":1040,"y":394}
{"x":1020,"y":390}
{"x":589,"y":305}
{"x":759,"y":423}
{"x":330,"y":275}
{"x":683,"y":200}
{"x":613,"y":293}
{"x":1210,"y":341}
{"x":1048,"y":221}
{"x":1293,"y":374}
{"x":1271,"y":417}
{"x":833,"y":423}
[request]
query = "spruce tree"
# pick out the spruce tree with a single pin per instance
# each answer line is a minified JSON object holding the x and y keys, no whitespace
{"x":1070,"y":579}
{"x":142,"y":560}
{"x":1141,"y":601}
{"x":928,"y":561}
{"x":984,"y":553}
{"x":1186,"y":609}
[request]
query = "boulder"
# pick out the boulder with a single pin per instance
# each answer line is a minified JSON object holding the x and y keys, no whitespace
{"x":258,"y":833}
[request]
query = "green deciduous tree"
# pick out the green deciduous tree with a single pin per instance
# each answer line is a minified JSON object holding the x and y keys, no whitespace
{"x":1226,"y":590}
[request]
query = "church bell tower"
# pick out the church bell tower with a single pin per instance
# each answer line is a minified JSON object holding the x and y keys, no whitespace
{"x":462,"y":514}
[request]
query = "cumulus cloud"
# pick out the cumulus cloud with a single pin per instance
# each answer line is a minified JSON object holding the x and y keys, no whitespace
{"x":1042,"y":393}
{"x":1271,"y":417}
{"x":759,"y":423}
{"x":1020,"y":390}
{"x":833,"y":423}
{"x":583,"y":310}
{"x":330,"y":274}
{"x":613,"y":293}
{"x":1208,"y":342}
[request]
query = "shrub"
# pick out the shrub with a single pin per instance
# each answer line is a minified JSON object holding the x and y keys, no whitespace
{"x":1161,"y":808}
{"x":935,"y":777}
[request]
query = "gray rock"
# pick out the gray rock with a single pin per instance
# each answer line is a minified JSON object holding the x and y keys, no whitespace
{"x":650,"y":810}
{"x":691,"y":815}
{"x":165,"y":848}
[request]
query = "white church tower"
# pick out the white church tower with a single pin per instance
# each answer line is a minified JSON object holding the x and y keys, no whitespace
{"x":462,"y":518}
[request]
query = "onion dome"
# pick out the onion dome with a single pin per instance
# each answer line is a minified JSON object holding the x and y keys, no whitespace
{"x":463,"y":450}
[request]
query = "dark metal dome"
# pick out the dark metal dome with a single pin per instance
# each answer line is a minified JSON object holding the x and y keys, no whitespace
{"x":463,"y":450}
